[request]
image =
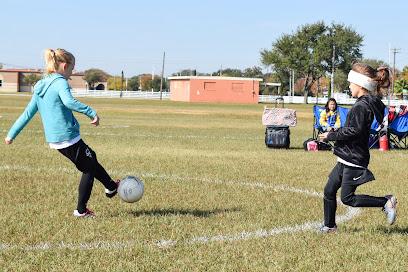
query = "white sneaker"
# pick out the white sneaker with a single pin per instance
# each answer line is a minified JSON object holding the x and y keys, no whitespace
{"x":324,"y":229}
{"x":390,"y":209}
{"x":112,"y":193}
{"x":87,"y":213}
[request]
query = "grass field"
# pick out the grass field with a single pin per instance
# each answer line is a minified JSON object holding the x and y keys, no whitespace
{"x":216,"y":199}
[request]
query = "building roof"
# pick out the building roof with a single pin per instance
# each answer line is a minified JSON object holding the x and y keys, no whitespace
{"x":37,"y":71}
{"x":22,"y":70}
{"x":213,"y":78}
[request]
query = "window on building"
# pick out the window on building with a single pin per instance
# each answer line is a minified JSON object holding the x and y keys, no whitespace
{"x":209,"y":86}
{"x":237,"y":87}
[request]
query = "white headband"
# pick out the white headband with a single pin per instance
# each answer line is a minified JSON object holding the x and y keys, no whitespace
{"x":362,"y":80}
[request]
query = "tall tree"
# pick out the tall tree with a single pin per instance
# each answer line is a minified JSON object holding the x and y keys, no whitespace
{"x":340,"y":81}
{"x":228,"y":72}
{"x":254,"y":72}
{"x":374,"y":63}
{"x":92,"y":76}
{"x":404,"y":73}
{"x":400,"y":86}
{"x":147,"y":83}
{"x":185,"y":72}
{"x":309,"y":52}
{"x":114,"y":83}
{"x":133,"y":83}
{"x":31,"y":79}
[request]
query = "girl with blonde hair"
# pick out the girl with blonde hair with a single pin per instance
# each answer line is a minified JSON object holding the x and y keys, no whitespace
{"x":52,"y":98}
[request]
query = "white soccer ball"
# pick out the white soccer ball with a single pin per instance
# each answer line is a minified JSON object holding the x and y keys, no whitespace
{"x":131,"y":189}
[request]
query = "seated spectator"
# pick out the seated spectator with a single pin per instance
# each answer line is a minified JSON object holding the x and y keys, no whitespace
{"x":330,"y":118}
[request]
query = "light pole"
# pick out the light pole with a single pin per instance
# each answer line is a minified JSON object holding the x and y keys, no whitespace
{"x":332,"y":72}
{"x":394,"y":51}
{"x":161,"y":78}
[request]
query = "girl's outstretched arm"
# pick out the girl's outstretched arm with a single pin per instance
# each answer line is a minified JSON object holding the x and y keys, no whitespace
{"x":23,"y":120}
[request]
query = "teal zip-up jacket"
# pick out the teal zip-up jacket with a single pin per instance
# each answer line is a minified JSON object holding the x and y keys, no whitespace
{"x":53,"y":99}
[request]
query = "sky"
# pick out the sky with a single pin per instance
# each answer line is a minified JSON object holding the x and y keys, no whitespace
{"x":206,"y":35}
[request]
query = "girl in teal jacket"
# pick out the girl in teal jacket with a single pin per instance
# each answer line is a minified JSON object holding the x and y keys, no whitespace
{"x":53,"y":99}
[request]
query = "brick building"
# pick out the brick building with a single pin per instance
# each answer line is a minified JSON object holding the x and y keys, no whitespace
{"x":214,"y":89}
{"x":13,"y":80}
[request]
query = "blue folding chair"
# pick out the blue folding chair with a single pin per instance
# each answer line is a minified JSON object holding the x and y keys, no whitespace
{"x":398,"y":131}
{"x":317,"y":128}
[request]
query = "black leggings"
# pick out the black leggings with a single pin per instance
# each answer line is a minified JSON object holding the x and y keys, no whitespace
{"x":348,"y":178}
{"x":85,"y":161}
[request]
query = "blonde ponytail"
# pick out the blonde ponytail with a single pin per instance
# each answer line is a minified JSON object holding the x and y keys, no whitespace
{"x":53,"y":58}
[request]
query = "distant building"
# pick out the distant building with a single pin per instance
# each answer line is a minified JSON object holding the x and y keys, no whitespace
{"x":214,"y":89}
{"x":12,"y":80}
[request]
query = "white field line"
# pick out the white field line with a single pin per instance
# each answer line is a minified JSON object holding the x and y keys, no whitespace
{"x":165,"y":243}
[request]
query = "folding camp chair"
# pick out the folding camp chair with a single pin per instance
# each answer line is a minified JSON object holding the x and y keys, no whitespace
{"x":398,"y":130}
{"x":317,"y":128}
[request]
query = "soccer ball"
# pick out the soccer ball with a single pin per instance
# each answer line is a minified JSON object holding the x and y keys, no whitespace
{"x":131,"y":189}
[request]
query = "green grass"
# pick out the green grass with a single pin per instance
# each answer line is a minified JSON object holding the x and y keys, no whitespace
{"x":198,"y":162}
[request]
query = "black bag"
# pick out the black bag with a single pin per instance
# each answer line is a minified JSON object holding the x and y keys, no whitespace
{"x":277,"y":136}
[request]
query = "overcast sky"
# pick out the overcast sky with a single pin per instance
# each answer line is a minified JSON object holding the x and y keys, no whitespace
{"x":203,"y":35}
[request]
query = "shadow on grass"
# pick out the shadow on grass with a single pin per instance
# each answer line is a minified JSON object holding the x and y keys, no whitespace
{"x":183,"y":212}
{"x":383,"y":229}
{"x":394,"y":230}
{"x":294,"y":148}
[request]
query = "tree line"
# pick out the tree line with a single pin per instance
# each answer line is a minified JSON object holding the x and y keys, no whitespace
{"x":318,"y":55}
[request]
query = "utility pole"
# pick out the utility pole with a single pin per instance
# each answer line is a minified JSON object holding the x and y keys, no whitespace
{"x":332,"y":73}
{"x":389,"y":86}
{"x":161,"y":79}
{"x":394,"y":51}
{"x":121,"y":85}
{"x":121,"y":82}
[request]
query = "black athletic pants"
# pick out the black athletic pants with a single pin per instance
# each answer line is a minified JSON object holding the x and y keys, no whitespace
{"x":348,"y":178}
{"x":85,"y":161}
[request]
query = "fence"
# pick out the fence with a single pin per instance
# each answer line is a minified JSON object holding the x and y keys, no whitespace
{"x":262,"y":98}
{"x":120,"y":94}
{"x":320,"y":100}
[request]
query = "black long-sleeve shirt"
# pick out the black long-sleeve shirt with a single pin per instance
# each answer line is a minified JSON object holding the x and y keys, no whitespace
{"x":352,"y":139}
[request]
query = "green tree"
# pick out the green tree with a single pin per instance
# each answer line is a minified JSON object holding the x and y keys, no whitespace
{"x":229,"y":72}
{"x":374,"y":63}
{"x":133,"y":83}
{"x":253,"y":72}
{"x":31,"y":79}
{"x":185,"y":72}
{"x":309,"y":52}
{"x":155,"y":84}
{"x":93,"y":76}
{"x":147,"y":83}
{"x":115,"y":83}
{"x":340,"y":81}
{"x":404,"y":73}
{"x":400,"y":85}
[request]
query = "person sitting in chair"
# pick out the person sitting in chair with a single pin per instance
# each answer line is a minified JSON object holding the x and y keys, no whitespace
{"x":330,"y":118}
